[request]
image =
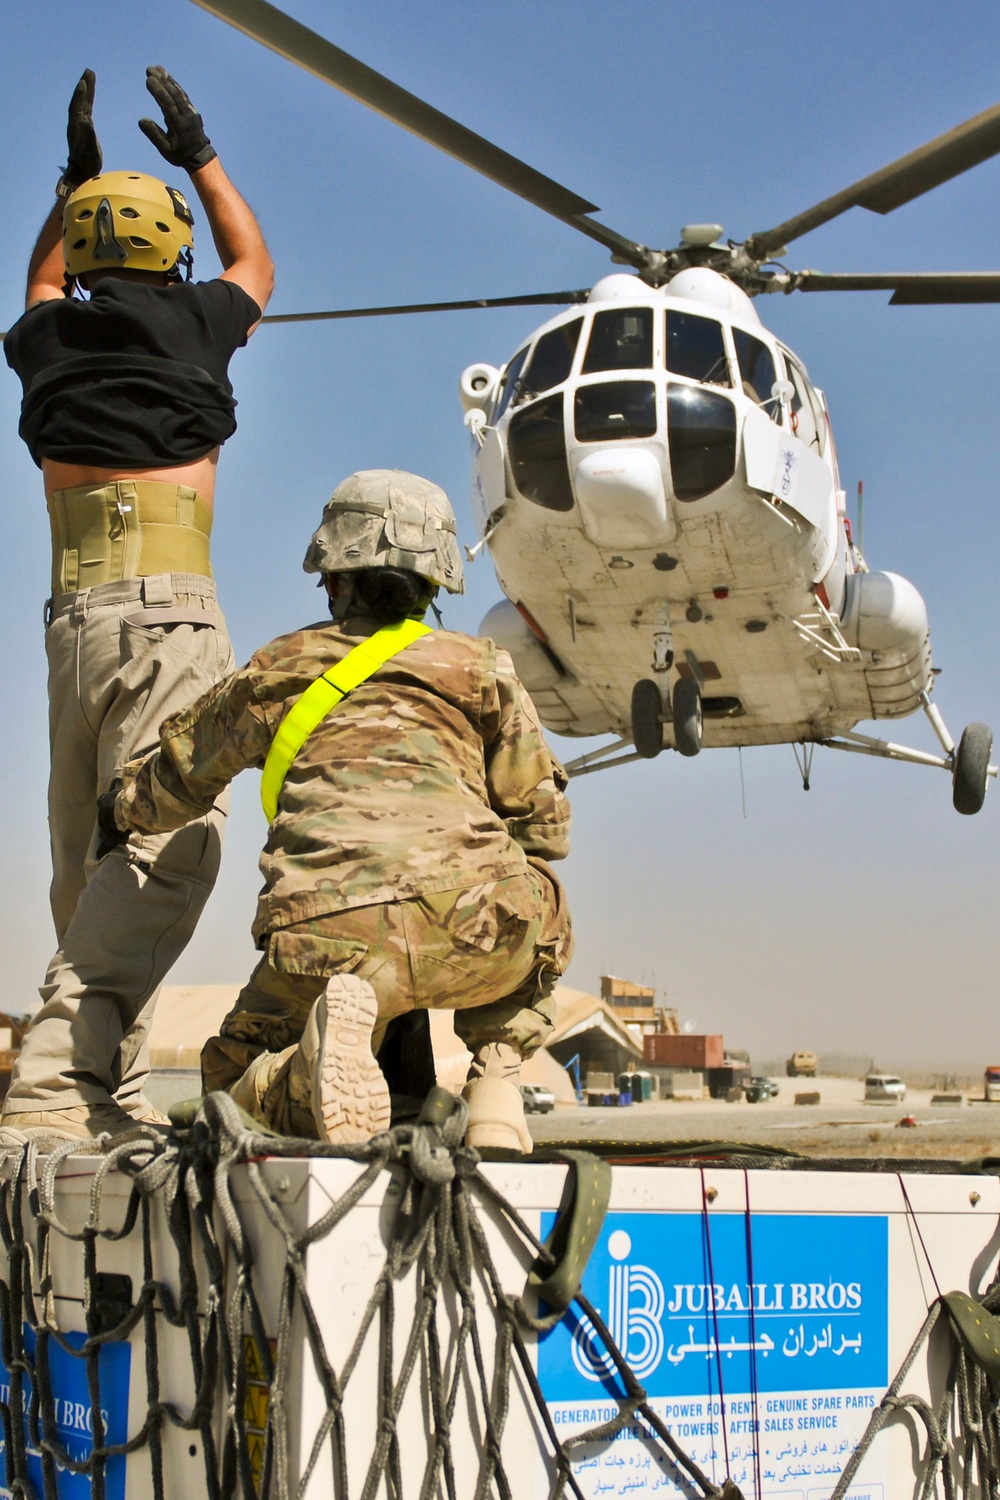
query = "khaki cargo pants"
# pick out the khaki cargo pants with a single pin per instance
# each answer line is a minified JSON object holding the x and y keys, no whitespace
{"x":122,"y":657}
{"x":492,"y":953}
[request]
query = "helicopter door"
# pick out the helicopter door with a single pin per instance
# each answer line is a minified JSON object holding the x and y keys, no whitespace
{"x":808,"y":423}
{"x":757,"y":371}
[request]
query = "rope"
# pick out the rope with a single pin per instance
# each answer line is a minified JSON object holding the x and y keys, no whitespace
{"x":754,"y":1382}
{"x":715,"y":1321}
{"x":183,"y":1196}
{"x":191,"y":1183}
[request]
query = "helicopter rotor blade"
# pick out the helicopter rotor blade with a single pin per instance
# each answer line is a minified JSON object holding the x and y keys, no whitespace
{"x":265,"y":23}
{"x":534,"y":299}
{"x":927,"y":167}
{"x":909,"y":288}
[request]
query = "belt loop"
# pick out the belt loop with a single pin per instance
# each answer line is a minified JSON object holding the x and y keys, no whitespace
{"x":186,"y":498}
{"x":158,"y":590}
{"x":127,"y":492}
{"x":80,"y":606}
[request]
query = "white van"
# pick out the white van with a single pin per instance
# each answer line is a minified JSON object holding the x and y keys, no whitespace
{"x":884,"y":1088}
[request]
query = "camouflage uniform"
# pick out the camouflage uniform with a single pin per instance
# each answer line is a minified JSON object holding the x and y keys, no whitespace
{"x":410,"y":844}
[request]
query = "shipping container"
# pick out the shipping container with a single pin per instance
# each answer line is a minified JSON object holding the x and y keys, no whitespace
{"x":699,"y":1052}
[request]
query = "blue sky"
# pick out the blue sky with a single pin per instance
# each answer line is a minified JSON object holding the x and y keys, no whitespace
{"x":860,"y":917}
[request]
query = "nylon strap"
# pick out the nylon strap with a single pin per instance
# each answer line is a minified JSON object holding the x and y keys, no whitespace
{"x":978,"y":1330}
{"x":323,"y":695}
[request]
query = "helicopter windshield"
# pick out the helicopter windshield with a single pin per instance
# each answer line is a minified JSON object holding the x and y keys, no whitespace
{"x":696,"y":348}
{"x":550,"y":362}
{"x":757,"y":370}
{"x":620,"y":339}
{"x":537,"y":446}
{"x":508,"y":384}
{"x":701,"y":434}
{"x":619,"y":409}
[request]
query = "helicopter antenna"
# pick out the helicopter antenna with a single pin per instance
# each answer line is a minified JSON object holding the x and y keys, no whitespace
{"x":861,"y":517}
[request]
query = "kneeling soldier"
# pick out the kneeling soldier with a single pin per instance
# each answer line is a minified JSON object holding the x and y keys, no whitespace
{"x":413,"y":805}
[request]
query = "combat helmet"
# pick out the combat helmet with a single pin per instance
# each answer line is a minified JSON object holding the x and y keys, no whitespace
{"x":387,"y":518}
{"x":126,"y":221}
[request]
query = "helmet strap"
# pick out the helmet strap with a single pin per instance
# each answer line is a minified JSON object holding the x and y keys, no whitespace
{"x":341,"y":606}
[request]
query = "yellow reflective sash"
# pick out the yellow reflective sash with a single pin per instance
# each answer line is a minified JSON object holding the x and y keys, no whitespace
{"x":323,"y":695}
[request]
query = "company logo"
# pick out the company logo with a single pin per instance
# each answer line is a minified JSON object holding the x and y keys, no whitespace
{"x":635,"y":1306}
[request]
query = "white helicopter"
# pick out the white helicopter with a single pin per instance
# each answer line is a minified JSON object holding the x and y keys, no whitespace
{"x":657,"y":484}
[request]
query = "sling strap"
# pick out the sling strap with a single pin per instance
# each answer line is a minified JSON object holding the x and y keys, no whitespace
{"x":323,"y":695}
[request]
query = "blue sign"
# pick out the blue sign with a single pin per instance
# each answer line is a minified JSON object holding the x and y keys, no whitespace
{"x":696,"y":1304}
{"x":74,"y":1418}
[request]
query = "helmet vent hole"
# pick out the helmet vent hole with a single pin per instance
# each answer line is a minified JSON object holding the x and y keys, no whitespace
{"x":163,"y":228}
{"x":129,"y":213}
{"x":85,"y":213}
{"x":138,"y":241}
{"x":79,"y":244}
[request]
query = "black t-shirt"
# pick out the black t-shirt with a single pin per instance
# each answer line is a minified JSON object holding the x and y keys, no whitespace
{"x":134,"y":378}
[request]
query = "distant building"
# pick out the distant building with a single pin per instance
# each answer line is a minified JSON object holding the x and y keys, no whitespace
{"x":635,"y":1004}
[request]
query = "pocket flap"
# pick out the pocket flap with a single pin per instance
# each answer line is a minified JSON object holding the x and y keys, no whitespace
{"x":303,"y":953}
{"x":174,"y":614}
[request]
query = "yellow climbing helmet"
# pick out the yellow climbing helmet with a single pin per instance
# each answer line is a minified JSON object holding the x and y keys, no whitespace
{"x":126,"y":220}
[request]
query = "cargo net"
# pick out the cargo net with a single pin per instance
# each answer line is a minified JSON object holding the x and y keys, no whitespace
{"x":188,"y":1199}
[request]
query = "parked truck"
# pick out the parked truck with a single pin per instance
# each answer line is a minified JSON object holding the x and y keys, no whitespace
{"x":801,"y":1065}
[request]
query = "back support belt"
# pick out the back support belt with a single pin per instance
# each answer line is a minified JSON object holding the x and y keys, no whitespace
{"x":132,"y":528}
{"x":324,"y":694}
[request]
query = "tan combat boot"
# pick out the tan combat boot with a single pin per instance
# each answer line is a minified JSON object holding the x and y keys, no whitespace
{"x":496,"y":1110}
{"x":76,"y":1122}
{"x":333,"y":1069}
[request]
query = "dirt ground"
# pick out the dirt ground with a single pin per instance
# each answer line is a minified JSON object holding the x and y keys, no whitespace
{"x":840,"y":1125}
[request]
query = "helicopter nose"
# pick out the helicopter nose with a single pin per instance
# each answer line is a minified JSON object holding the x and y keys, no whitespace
{"x":622,"y":498}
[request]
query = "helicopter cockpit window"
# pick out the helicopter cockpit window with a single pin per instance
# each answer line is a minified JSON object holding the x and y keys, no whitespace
{"x":620,"y":339}
{"x":696,"y":348}
{"x":536,"y":442}
{"x":701,"y":434}
{"x":757,"y":371}
{"x":808,"y":422}
{"x":508,"y":384}
{"x":550,"y":362}
{"x":618,"y":409}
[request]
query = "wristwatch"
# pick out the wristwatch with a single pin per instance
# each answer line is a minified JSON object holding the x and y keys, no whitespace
{"x":64,"y":189}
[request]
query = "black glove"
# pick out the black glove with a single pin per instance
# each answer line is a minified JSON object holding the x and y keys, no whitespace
{"x":85,"y":155}
{"x":184,"y":142}
{"x":110,"y":835}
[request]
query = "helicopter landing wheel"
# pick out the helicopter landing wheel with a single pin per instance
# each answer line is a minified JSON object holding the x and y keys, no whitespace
{"x":686,"y":702}
{"x":647,"y":719}
{"x":970,"y":776}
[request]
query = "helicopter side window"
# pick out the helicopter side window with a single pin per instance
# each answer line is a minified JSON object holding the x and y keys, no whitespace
{"x":620,"y":339}
{"x":537,"y":446}
{"x":550,"y":362}
{"x":757,"y":370}
{"x":701,"y":434}
{"x":618,"y":409}
{"x":508,"y":385}
{"x":696,"y":348}
{"x":807,"y":418}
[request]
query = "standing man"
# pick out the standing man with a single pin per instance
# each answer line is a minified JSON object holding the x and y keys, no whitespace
{"x":126,"y":403}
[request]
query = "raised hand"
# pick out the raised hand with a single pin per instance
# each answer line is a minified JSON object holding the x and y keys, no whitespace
{"x":85,"y":155}
{"x":184,"y":142}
